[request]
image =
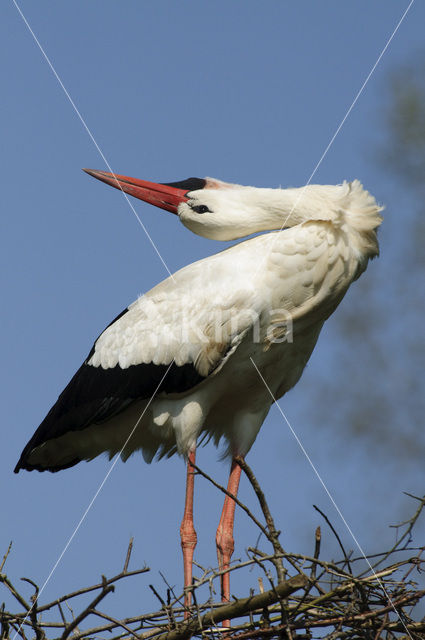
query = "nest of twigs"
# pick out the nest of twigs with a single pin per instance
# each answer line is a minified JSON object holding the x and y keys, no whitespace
{"x":306,"y":597}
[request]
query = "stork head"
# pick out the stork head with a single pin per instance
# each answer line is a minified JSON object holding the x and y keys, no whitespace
{"x":223,"y":211}
{"x":208,"y":207}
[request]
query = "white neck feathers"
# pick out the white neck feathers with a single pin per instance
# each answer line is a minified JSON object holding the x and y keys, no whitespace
{"x":347,"y":206}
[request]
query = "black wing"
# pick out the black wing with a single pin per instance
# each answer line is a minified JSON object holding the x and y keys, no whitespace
{"x":95,"y":394}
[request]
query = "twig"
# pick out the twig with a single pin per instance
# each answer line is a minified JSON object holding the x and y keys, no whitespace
{"x":334,"y":531}
{"x":361,"y":592}
{"x":238,"y":502}
{"x":128,"y":555}
{"x":64,"y":620}
{"x":95,"y":587}
{"x":15,"y":593}
{"x":89,"y":609}
{"x":4,"y":626}
{"x":411,"y":523}
{"x":171,"y":622}
{"x":272,"y":533}
{"x":362,"y":617}
{"x":289,"y":557}
{"x":314,"y":563}
{"x":382,"y":627}
{"x":170,"y":591}
{"x":118,"y":623}
{"x":39,"y":633}
{"x":318,"y":538}
{"x":5,"y":556}
{"x":19,"y":630}
{"x":155,"y":592}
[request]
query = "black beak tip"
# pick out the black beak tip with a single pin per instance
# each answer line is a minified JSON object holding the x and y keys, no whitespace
{"x":91,"y":172}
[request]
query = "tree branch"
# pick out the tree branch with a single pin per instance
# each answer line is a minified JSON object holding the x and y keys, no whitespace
{"x":236,"y":609}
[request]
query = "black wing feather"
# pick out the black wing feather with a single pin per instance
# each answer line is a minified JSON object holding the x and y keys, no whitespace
{"x":95,"y":394}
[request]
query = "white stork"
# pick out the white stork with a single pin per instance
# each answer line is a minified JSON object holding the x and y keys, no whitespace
{"x":184,"y":359}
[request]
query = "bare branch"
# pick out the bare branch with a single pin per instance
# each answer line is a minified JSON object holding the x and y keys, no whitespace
{"x":118,"y":623}
{"x":236,"y":609}
{"x":4,"y":579}
{"x":95,"y":587}
{"x":273,"y":533}
{"x":238,"y":502}
{"x":89,"y":609}
{"x":32,"y":613}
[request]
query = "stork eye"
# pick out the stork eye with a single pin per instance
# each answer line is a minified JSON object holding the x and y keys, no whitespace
{"x":201,"y":208}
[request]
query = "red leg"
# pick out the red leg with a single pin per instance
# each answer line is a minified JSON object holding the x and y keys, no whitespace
{"x":224,"y":538}
{"x":187,"y":532}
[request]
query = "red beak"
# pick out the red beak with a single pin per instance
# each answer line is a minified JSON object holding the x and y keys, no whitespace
{"x":166,"y":196}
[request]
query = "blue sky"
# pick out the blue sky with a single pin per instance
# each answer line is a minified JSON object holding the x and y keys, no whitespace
{"x":244,"y":91}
